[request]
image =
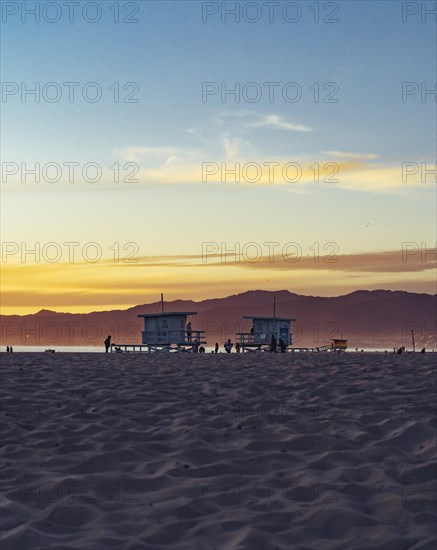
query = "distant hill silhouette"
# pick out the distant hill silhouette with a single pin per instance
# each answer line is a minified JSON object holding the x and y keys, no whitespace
{"x":379,"y":318}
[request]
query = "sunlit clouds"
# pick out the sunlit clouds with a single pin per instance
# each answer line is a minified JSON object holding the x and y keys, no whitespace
{"x":85,"y":286}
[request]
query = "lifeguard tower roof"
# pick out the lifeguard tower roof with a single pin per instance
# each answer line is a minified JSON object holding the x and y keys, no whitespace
{"x":265,"y":318}
{"x":170,"y":313}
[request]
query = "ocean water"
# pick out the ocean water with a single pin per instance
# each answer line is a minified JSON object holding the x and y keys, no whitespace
{"x":101,"y":349}
{"x":67,"y":349}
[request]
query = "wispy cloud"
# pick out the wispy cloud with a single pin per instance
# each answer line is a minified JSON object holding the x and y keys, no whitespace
{"x":231,"y":137}
{"x":275,"y":121}
{"x":349,"y":155}
{"x":392,"y":261}
{"x":155,"y":154}
{"x":280,"y":257}
{"x":347,"y":174}
{"x":244,"y":120}
{"x":234,"y":147}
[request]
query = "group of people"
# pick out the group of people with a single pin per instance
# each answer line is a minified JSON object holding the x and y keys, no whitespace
{"x":228,"y":345}
{"x":274,"y":345}
{"x":9,"y":349}
{"x":402,"y":350}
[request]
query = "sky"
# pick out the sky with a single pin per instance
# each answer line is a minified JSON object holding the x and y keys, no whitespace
{"x":315,"y":175}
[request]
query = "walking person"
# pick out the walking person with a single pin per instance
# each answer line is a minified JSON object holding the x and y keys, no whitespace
{"x":107,"y":343}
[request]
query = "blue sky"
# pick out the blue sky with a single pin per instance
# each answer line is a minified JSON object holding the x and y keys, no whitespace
{"x":170,"y":52}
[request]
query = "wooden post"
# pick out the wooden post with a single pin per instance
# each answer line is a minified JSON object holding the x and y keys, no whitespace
{"x":274,"y":316}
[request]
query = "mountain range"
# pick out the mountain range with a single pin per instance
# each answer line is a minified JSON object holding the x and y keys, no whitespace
{"x":378,"y":318}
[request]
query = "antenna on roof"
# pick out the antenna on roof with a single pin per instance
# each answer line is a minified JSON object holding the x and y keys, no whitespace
{"x":162,"y":303}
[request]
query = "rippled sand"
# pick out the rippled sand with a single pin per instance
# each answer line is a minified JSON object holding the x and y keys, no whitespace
{"x":295,"y":451}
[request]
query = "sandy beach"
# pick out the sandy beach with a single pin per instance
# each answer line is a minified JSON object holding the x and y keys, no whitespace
{"x":202,"y":452}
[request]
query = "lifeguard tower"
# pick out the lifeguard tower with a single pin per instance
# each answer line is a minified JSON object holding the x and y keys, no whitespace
{"x":263,"y":327}
{"x":166,"y":332}
{"x":337,"y":344}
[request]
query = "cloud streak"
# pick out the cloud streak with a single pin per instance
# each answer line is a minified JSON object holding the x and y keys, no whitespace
{"x":84,"y":287}
{"x":276,"y":122}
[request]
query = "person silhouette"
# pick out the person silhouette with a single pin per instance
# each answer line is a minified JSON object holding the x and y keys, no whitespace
{"x":7,"y":349}
{"x":196,"y":346}
{"x":273,"y":344}
{"x":228,"y":346}
{"x":216,"y":347}
{"x":107,"y":343}
{"x":189,"y":332}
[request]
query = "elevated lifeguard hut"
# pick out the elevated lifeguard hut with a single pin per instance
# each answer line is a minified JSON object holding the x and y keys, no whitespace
{"x":167,"y":332}
{"x":263,"y":327}
{"x":262,"y":330}
{"x":337,"y":344}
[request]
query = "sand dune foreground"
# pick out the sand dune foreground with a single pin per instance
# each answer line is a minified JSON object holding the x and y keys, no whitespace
{"x":195,"y":452}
